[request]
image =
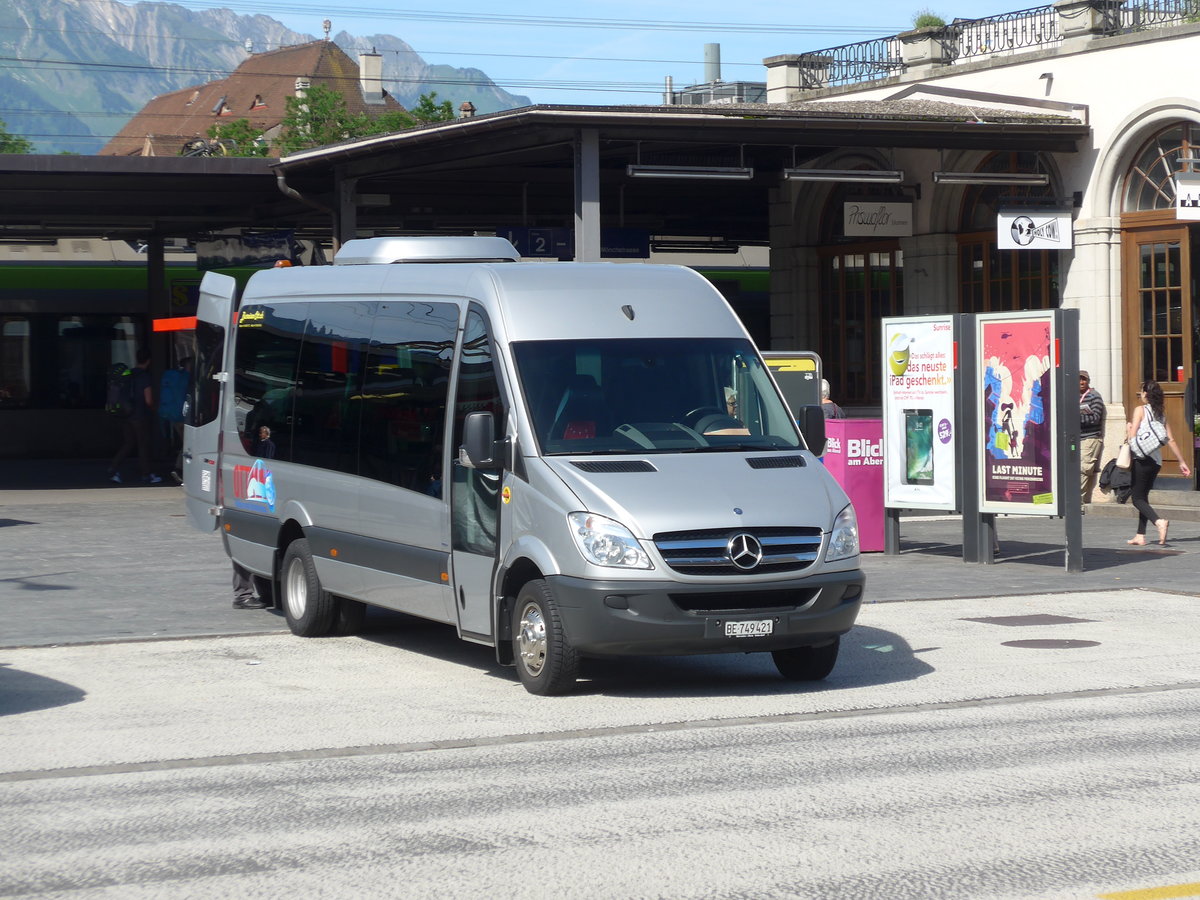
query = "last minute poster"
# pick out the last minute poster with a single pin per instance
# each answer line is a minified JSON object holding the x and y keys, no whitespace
{"x":1016,"y":368}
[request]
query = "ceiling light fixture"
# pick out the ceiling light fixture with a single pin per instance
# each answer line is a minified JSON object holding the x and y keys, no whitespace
{"x":858,"y":176}
{"x":724,"y":173}
{"x":991,"y":178}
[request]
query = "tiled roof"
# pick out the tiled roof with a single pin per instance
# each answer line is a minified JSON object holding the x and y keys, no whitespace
{"x":256,"y":91}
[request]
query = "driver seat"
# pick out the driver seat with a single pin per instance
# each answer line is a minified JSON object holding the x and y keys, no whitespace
{"x":581,"y":407}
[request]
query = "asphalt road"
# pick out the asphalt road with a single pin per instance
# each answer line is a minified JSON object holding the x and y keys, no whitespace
{"x":1006,"y":731}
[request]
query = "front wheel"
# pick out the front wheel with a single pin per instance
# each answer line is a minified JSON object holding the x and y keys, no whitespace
{"x":309,"y":608}
{"x":807,"y":663}
{"x":546,"y":662}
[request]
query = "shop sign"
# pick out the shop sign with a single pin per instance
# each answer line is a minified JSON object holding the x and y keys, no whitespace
{"x":1187,"y":195}
{"x":867,"y":218}
{"x":1034,"y":230}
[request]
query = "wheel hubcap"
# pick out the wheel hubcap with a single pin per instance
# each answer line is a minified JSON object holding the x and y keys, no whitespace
{"x":531,"y":639}
{"x":297,"y":589}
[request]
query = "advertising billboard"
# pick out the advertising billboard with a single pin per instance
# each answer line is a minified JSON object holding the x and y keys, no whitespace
{"x":1018,"y":441}
{"x":919,"y":458}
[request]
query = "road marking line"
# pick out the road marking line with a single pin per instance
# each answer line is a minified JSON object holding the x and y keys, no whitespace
{"x":1157,"y":893}
{"x":501,"y":740}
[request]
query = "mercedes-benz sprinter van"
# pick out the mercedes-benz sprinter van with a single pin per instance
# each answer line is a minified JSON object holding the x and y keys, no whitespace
{"x":562,"y":460}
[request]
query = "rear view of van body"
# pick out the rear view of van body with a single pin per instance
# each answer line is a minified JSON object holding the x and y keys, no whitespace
{"x":559,"y":459}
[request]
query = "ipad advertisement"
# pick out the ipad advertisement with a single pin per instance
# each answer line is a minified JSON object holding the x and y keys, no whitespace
{"x":918,"y":413}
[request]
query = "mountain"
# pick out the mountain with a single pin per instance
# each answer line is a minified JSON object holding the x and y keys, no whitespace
{"x":77,"y":70}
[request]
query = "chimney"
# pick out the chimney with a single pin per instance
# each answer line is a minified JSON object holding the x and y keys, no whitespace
{"x":370,"y":76}
{"x":302,"y":86}
{"x":712,"y":63}
{"x":466,"y":110}
{"x":669,"y":93}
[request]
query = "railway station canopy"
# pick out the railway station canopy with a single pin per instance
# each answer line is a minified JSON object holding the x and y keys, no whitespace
{"x":703,"y":171}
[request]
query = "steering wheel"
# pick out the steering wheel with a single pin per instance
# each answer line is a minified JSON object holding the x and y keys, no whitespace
{"x":692,"y":419}
{"x":717,"y":422}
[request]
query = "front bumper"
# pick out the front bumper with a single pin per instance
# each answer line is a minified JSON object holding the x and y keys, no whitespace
{"x":602,"y":618}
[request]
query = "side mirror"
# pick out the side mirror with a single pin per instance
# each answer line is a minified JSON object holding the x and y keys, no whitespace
{"x":478,"y":450}
{"x":811,"y":420}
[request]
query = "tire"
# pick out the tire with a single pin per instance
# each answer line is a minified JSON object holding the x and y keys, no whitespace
{"x":546,"y":662}
{"x":309,"y":608}
{"x":807,"y":663}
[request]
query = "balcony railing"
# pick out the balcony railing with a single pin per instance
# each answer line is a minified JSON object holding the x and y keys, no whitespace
{"x":967,"y":39}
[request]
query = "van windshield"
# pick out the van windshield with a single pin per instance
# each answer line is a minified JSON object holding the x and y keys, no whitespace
{"x":645,"y":395}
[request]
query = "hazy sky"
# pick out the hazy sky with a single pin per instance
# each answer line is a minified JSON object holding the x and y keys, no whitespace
{"x":612,"y":52}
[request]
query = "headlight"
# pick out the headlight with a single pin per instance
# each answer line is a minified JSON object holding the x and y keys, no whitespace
{"x":843,"y":542}
{"x":604,"y":542}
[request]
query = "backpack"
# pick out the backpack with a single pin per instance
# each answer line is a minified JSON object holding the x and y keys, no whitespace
{"x":119,"y":398}
{"x":172,"y":393}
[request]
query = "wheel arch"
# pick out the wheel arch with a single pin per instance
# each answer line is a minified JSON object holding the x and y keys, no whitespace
{"x":511,"y":579}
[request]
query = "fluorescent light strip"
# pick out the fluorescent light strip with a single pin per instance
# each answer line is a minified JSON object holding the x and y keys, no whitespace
{"x":861,"y":176}
{"x":734,"y":173}
{"x":996,"y":178}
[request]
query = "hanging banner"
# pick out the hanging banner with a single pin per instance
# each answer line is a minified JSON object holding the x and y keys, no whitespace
{"x":1033,"y":230}
{"x":1187,"y":195}
{"x":1019,"y":421}
{"x":919,"y":428}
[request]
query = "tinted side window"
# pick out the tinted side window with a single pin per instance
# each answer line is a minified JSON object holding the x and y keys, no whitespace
{"x":328,"y":381}
{"x":404,"y":394}
{"x":264,"y":378}
{"x":475,"y":499}
{"x":209,"y":356}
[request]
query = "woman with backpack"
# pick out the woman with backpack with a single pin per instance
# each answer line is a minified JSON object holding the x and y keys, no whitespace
{"x":1147,"y":433}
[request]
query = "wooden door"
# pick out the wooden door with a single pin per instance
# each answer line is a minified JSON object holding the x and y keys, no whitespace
{"x":1158,"y":323}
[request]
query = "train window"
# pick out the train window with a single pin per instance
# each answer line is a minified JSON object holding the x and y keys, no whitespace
{"x":15,"y":355}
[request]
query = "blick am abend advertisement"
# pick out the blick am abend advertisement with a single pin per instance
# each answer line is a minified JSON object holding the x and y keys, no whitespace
{"x":919,"y":468}
{"x":1019,"y":429}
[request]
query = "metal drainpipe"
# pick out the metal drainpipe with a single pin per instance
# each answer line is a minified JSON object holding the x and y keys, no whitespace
{"x":289,"y":191}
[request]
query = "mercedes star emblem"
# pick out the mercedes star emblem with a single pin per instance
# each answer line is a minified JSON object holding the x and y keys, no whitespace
{"x":744,"y":550}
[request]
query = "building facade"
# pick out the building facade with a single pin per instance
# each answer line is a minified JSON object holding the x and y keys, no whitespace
{"x":1130,"y":267}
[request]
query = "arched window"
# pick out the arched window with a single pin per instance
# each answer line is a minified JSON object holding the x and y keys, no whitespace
{"x":991,"y":279}
{"x":1150,"y":182}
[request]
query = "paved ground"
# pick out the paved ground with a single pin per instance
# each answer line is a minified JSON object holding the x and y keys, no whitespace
{"x":86,"y":561}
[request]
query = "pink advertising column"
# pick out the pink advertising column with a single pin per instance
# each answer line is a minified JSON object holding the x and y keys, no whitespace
{"x":854,"y":456}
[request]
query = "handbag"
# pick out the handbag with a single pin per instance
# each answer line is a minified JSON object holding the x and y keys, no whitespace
{"x":1151,"y":435}
{"x":1124,"y":456}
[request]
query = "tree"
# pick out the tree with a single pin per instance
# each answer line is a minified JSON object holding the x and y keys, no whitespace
{"x":429,"y":110}
{"x":320,"y":117}
{"x":11,"y":143}
{"x":239,"y":138}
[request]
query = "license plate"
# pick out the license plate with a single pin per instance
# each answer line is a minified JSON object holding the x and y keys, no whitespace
{"x":756,"y":628}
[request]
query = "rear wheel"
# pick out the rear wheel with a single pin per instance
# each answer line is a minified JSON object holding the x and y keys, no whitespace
{"x":546,"y":662}
{"x":807,"y":663}
{"x":309,"y":608}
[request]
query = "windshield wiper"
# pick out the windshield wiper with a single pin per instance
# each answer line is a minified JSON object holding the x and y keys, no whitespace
{"x":739,"y":447}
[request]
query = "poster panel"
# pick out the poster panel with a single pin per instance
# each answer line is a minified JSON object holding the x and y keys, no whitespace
{"x":919,"y":427}
{"x":1018,"y":421}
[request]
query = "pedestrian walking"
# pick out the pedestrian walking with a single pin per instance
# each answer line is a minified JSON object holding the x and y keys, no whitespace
{"x":1147,"y":433}
{"x":138,"y":424}
{"x":1091,"y":435}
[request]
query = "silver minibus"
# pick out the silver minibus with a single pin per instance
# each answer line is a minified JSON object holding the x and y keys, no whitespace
{"x":561,"y":460}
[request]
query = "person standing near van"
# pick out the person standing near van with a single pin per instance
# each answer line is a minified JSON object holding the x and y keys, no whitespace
{"x":831,"y":409}
{"x":1149,"y":419}
{"x":1091,"y":435}
{"x":138,"y":428}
